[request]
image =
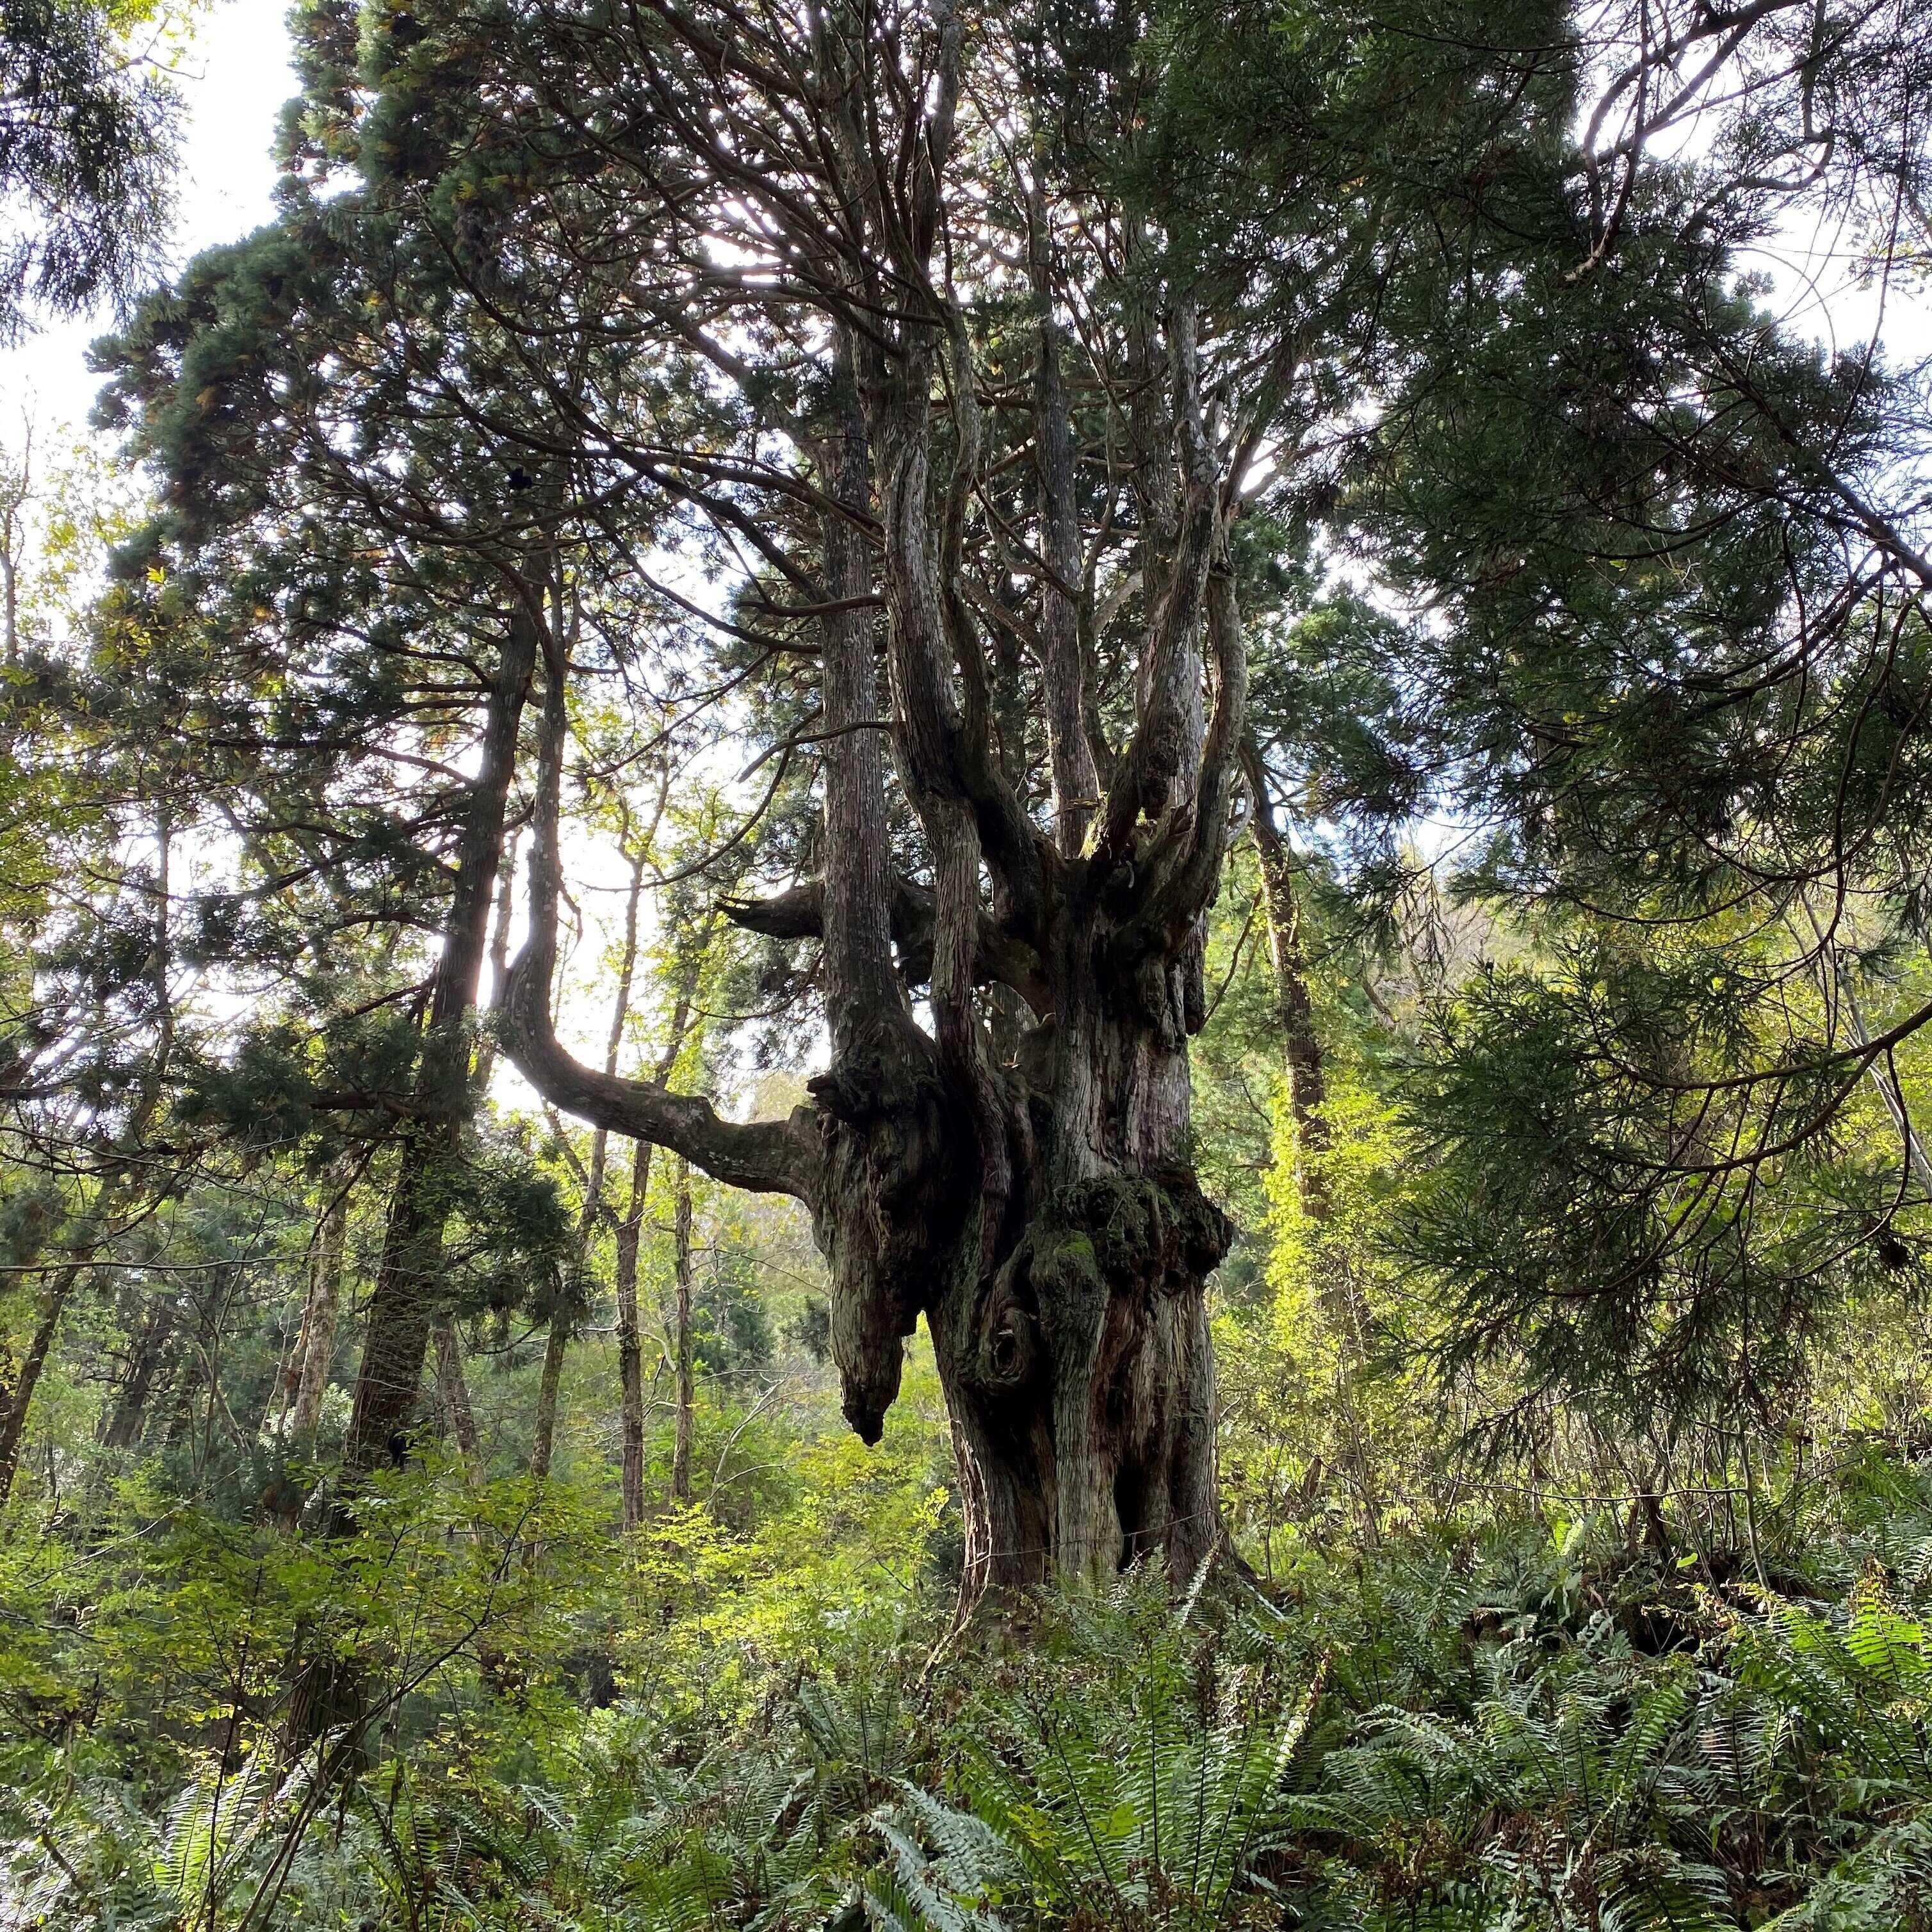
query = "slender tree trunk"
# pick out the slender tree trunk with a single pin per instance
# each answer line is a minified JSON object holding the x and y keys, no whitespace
{"x":630,"y":1349}
{"x":315,"y":1354}
{"x":499,"y":960}
{"x":563,"y":1323}
{"x":680,"y":1462}
{"x":1076,"y":781}
{"x":452,"y":1393}
{"x":16,"y":1399}
{"x":452,"y":1385}
{"x":546,"y":1388}
{"x":128,"y":1423}
{"x":17,"y":1403}
{"x":16,"y":492}
{"x":113,"y":1188}
{"x":405,"y":1301}
{"x":1338,"y":1290}
{"x":1295,"y":1013}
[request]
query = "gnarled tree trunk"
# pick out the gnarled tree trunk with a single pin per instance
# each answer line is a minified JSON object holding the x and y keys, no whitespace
{"x":1028,"y":1188}
{"x":1044,"y":1216}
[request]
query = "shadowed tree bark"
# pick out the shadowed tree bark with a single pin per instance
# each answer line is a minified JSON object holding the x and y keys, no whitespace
{"x":404,"y":1303}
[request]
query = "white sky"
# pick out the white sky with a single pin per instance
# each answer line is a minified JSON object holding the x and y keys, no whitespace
{"x":234,"y":76}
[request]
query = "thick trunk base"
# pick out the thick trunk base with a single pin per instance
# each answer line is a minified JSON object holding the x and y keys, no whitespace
{"x":1081,"y":1381}
{"x":1076,"y":1363}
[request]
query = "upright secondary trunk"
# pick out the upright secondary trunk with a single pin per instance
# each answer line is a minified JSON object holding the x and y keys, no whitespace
{"x":407,"y":1298}
{"x":630,"y":1341}
{"x":452,"y":1393}
{"x":680,"y":1460}
{"x":315,"y":1351}
{"x":629,"y":1235}
{"x":126,"y":1176}
{"x":563,"y":1323}
{"x":1295,"y":1013}
{"x":17,"y":1403}
{"x":127,"y":1424}
{"x":456,"y":1412}
{"x":548,"y":1382}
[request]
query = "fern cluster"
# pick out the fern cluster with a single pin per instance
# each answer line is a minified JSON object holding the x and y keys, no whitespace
{"x":1484,"y":1738}
{"x":1537,"y":1732}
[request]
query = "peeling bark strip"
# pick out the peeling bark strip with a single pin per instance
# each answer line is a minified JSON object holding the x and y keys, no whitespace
{"x":1019,"y":1173}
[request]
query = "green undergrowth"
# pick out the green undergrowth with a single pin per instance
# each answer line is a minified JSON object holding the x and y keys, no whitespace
{"x":1541,"y":1726}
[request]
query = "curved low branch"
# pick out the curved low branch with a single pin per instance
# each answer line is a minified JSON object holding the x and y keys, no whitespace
{"x":763,"y":1157}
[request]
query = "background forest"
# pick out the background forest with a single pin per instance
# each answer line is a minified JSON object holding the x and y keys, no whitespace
{"x":967,"y":968}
